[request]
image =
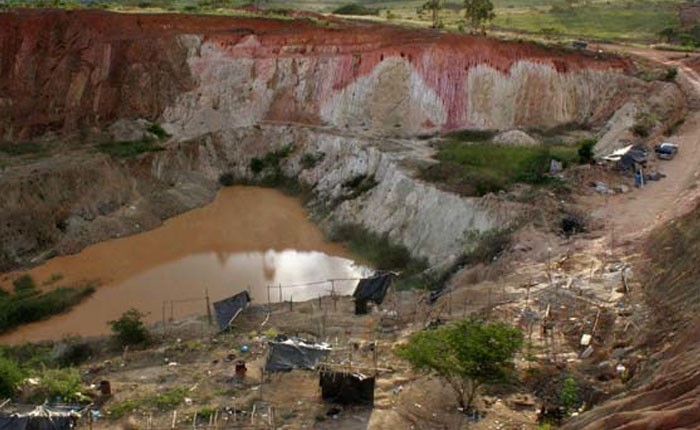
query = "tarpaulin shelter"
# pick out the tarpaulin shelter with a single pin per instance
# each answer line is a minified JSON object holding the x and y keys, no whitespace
{"x":372,"y":289}
{"x":285,"y":355}
{"x":41,"y":418}
{"x":348,"y":388}
{"x":228,"y":309}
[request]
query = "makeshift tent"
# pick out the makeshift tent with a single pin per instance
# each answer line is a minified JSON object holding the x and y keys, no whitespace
{"x":371,"y":290}
{"x":228,"y":309}
{"x":41,"y":418}
{"x":287,"y":354}
{"x":636,"y":154}
{"x":348,"y":388}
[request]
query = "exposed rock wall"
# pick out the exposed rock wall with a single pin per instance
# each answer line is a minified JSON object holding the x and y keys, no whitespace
{"x":62,"y":71}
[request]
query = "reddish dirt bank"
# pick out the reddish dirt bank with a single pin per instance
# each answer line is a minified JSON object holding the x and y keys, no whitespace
{"x":63,"y":71}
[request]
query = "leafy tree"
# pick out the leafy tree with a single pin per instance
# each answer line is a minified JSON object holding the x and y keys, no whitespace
{"x":129,"y":329}
{"x":467,"y":355}
{"x":10,"y":377}
{"x":434,"y":6}
{"x":478,"y":12}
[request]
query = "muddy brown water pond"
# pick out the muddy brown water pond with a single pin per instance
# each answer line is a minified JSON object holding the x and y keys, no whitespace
{"x":247,"y":238}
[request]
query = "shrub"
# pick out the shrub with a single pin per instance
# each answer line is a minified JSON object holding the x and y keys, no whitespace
{"x":10,"y":377}
{"x":158,"y":131}
{"x":309,"y":160}
{"x":466,"y":355}
{"x":62,"y":384}
{"x":129,"y":329}
{"x":569,"y":395}
{"x":355,"y":9}
{"x":227,"y":180}
{"x":24,"y":285}
{"x":671,"y":74}
{"x":123,"y":149}
{"x":585,"y":151}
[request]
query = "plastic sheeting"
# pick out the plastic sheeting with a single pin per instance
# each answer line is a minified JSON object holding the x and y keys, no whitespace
{"x":289,"y":354}
{"x":226,"y":310}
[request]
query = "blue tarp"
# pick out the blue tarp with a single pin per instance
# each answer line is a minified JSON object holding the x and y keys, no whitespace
{"x":226,"y":310}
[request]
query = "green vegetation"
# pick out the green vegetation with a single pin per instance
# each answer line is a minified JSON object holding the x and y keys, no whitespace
{"x":476,"y":169}
{"x":569,"y":396}
{"x":270,"y":164}
{"x":10,"y":377}
{"x":380,"y":252}
{"x":478,"y":13}
{"x":310,"y":160}
{"x":467,"y":355}
{"x":21,"y":149}
{"x":129,"y":329}
{"x":167,"y":400}
{"x":355,"y":9}
{"x":125,"y":149}
{"x":64,"y":384}
{"x":585,"y":151}
{"x":28,"y":304}
{"x":158,"y":131}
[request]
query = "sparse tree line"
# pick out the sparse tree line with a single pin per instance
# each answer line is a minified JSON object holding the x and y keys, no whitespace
{"x":476,"y":13}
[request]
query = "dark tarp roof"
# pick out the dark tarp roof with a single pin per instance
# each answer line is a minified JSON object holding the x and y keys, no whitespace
{"x":636,"y":154}
{"x":291,"y":354}
{"x":373,"y":289}
{"x":226,"y":310}
{"x":40,"y":419}
{"x":347,"y":388}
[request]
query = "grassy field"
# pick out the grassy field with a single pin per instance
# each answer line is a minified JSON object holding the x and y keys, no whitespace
{"x":477,"y":168}
{"x":625,"y":20}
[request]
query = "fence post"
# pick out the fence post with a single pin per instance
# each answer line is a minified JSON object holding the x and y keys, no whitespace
{"x":172,"y":426}
{"x":209,"y":318}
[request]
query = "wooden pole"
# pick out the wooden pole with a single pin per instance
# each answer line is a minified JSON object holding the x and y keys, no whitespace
{"x":335,"y":301}
{"x":280,"y":286}
{"x":163,"y":314}
{"x":291,"y":303}
{"x":209,"y":317}
{"x":269,"y":302}
{"x":172,"y":305}
{"x":172,"y":426}
{"x":194,"y":421}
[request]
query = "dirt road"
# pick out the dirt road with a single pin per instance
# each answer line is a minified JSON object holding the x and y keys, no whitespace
{"x":631,"y":216}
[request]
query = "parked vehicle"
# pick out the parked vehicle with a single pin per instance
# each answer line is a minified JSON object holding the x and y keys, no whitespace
{"x":666,"y":150}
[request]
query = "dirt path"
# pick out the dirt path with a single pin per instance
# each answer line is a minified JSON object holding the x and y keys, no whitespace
{"x":631,"y":216}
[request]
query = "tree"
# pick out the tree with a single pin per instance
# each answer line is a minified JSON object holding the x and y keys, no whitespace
{"x":129,"y":328}
{"x":10,"y":377}
{"x":434,"y":6}
{"x":478,"y":12}
{"x":466,"y":355}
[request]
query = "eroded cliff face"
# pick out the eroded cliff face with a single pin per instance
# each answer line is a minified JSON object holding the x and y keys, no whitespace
{"x":62,"y":71}
{"x":229,"y":89}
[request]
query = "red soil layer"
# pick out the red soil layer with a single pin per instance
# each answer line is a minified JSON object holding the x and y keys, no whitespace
{"x":63,"y":70}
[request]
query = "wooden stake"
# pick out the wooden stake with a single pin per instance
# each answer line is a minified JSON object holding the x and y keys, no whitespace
{"x":172,"y":426}
{"x":280,"y":286}
{"x":194,"y":421}
{"x":209,"y":317}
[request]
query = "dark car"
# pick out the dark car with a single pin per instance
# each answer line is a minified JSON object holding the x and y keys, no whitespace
{"x":666,"y":150}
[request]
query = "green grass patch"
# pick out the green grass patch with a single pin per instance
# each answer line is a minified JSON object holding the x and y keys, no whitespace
{"x":476,"y":169}
{"x":379,"y":251}
{"x":129,"y":149}
{"x":28,"y":304}
{"x":165,"y":401}
{"x":24,"y":149}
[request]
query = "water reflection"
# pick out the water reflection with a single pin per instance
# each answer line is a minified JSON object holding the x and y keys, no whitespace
{"x":248,"y":238}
